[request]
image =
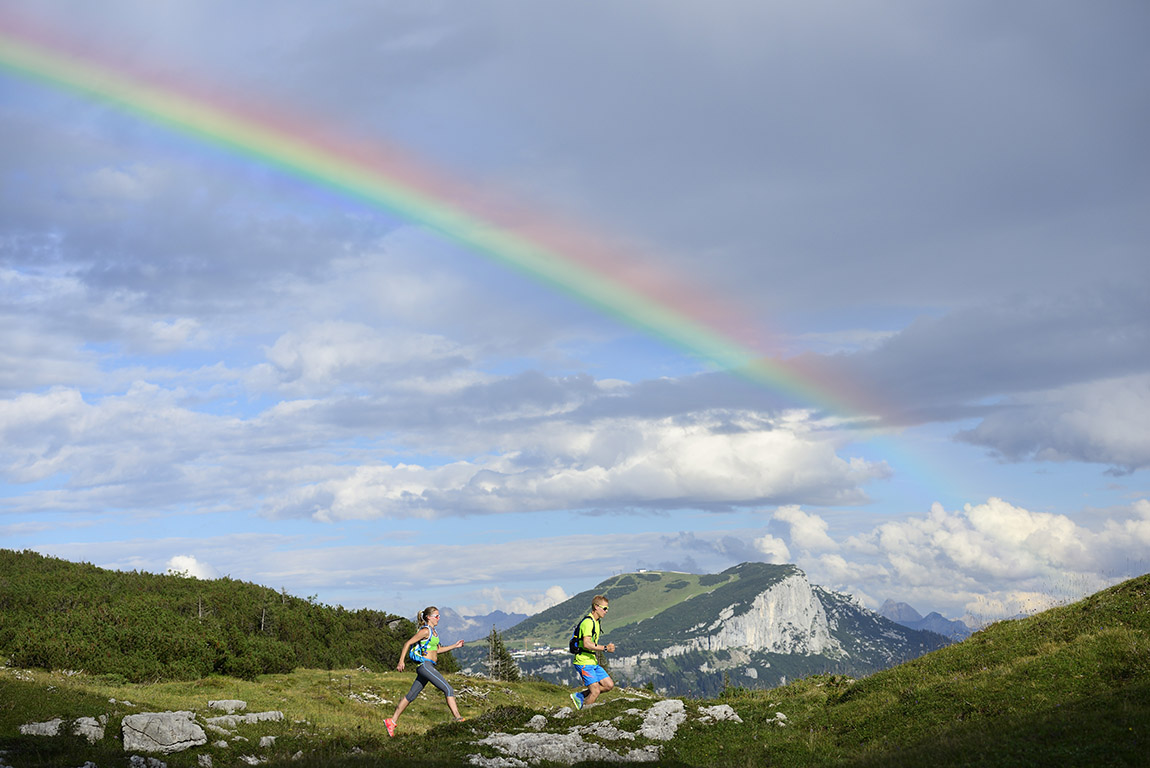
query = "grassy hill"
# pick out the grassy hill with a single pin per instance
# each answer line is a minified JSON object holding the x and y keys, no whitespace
{"x":1067,"y":687}
{"x":634,"y":598}
{"x":141,"y":626}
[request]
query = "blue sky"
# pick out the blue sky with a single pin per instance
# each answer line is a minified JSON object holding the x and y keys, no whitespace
{"x":210,"y":366}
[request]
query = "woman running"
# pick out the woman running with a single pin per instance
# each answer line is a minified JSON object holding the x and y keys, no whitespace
{"x":423,"y":648}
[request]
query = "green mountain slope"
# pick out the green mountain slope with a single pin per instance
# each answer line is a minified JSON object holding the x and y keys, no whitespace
{"x":755,"y":624}
{"x":635,"y":598}
{"x":63,"y":615}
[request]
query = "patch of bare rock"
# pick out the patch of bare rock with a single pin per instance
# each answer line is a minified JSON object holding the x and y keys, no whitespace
{"x":659,"y":723}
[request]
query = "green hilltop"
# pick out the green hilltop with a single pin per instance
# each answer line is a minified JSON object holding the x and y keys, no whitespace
{"x":634,"y":598}
{"x":141,"y":626}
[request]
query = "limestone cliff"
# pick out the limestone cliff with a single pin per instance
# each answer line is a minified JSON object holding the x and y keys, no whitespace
{"x":753,"y":625}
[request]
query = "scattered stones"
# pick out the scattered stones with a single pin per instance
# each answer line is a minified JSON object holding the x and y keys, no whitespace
{"x":497,"y":762}
{"x":204,"y":761}
{"x":659,"y":723}
{"x":779,"y":719}
{"x":228,"y":705}
{"x":136,"y":761}
{"x":164,"y":732}
{"x":89,"y":727}
{"x":267,"y":741}
{"x":718,"y":712}
{"x":564,"y":748}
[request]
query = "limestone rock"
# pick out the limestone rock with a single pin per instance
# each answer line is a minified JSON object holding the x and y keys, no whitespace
{"x":164,"y":732}
{"x":718,"y":712}
{"x":90,"y":728}
{"x":49,"y":728}
{"x":228,"y":705}
{"x":663,"y":720}
{"x":231,"y":721}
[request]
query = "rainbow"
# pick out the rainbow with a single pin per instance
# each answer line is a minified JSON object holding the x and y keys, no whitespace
{"x":563,"y":257}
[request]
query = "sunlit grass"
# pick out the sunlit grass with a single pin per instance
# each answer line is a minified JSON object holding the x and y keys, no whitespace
{"x":1069,"y":687}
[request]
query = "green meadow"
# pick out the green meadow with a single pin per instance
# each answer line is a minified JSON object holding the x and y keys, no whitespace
{"x":1067,"y":687}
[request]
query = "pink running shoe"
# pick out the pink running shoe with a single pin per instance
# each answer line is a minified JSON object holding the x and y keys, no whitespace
{"x":390,"y":725}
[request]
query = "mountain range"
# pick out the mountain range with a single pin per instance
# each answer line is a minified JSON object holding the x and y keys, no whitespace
{"x":753,"y":626}
{"x":904,"y":614}
{"x":472,"y":628}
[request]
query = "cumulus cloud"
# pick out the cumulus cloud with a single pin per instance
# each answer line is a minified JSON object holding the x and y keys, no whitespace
{"x":808,"y":531}
{"x":494,"y":600}
{"x":186,"y":565}
{"x":986,"y":560}
{"x":613,"y":463}
{"x":773,"y":549}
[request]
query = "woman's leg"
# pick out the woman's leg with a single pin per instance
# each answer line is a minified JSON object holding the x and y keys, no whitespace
{"x":435,"y":677}
{"x":416,"y":689}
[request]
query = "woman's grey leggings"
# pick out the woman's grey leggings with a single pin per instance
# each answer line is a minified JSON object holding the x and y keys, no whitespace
{"x":427,"y":673}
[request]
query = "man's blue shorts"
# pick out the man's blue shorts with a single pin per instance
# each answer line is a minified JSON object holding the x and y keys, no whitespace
{"x":591,"y":673}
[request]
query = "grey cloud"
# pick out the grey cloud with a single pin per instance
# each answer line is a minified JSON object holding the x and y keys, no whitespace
{"x":941,"y":367}
{"x":1106,"y":422}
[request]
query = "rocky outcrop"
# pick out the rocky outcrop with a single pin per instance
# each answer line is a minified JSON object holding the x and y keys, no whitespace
{"x":610,"y":743}
{"x":785,"y":618}
{"x":231,"y":721}
{"x":164,"y":732}
{"x":90,"y":728}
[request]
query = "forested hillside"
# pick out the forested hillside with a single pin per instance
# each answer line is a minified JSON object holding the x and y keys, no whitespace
{"x":143,"y":626}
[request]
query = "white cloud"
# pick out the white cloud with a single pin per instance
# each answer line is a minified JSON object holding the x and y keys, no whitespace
{"x":494,"y":600}
{"x":987,"y":560}
{"x":774,"y":549}
{"x":611,"y":463}
{"x":808,"y":531}
{"x":186,"y":565}
{"x":339,"y":354}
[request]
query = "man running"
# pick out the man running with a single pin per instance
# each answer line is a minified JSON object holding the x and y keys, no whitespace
{"x":586,"y":663}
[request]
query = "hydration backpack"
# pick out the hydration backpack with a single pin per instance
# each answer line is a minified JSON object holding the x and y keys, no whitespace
{"x":575,"y":644}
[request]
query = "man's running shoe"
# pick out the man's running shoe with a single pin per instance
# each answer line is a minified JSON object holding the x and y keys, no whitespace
{"x":390,"y":725}
{"x":578,"y":699}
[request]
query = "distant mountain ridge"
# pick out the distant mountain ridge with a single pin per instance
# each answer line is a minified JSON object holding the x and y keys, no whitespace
{"x":472,"y":628}
{"x":904,"y":614}
{"x":753,"y":625}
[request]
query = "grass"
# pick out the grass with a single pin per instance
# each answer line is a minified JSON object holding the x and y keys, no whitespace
{"x":654,"y":594}
{"x":1068,"y":687}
